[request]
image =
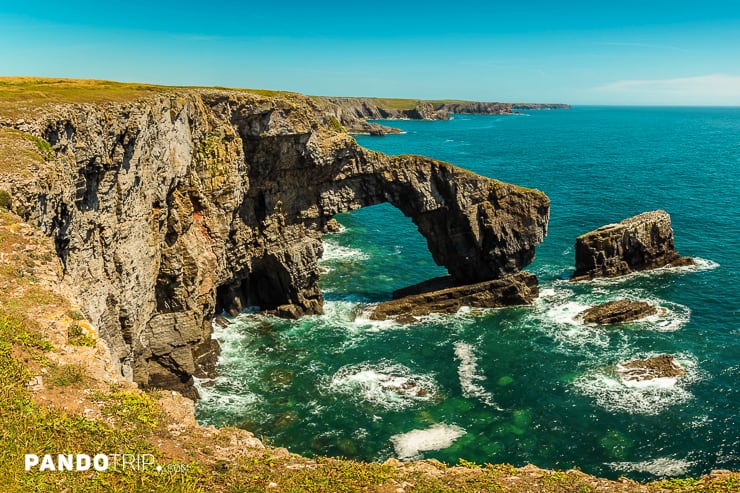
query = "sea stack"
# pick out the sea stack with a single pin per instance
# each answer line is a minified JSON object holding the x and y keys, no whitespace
{"x":642,"y":242}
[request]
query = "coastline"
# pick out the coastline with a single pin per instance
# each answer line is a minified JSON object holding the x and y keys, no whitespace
{"x":227,"y":457}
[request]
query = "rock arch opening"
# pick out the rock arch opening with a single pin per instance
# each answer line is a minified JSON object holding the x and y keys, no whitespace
{"x":378,"y":251}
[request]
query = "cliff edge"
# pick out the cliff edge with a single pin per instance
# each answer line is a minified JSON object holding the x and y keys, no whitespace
{"x":183,"y":202}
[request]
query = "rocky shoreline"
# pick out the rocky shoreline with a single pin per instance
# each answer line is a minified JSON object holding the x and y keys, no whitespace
{"x":230,"y":458}
{"x":159,"y":213}
{"x":353,"y":113}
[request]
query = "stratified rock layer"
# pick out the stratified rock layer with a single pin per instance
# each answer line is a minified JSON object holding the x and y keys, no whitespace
{"x":616,"y":312}
{"x":445,"y":295}
{"x":638,"y":243}
{"x":167,"y":210}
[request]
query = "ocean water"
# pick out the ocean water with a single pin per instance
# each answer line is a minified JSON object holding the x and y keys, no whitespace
{"x":525,"y":384}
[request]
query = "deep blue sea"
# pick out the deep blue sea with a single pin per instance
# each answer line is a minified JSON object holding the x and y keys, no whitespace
{"x":526,"y":384}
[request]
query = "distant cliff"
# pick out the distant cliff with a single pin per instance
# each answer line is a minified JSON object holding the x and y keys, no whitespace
{"x":170,"y":208}
{"x":353,"y":113}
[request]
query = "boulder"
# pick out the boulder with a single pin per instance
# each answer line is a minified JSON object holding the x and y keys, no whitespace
{"x":616,"y":312}
{"x":638,"y":243}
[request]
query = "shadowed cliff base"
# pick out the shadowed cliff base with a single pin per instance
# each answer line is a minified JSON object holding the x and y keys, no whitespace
{"x":181,"y":202}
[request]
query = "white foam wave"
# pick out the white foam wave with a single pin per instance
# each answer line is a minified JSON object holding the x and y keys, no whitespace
{"x":662,"y":382}
{"x":437,"y":437}
{"x":467,"y":371}
{"x":232,"y":402}
{"x":385,"y":384}
{"x":557,"y":315}
{"x":560,"y":307}
{"x":670,"y":316}
{"x":661,"y":467}
{"x":566,"y":313}
{"x":336,"y":252}
{"x":701,"y":265}
{"x":648,"y":397}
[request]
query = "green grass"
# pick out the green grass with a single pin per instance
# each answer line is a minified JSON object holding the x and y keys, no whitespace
{"x":21,"y":97}
{"x":45,"y":149}
{"x":410,"y":104}
{"x":76,"y":337}
{"x":5,"y":200}
{"x":130,"y":410}
{"x":68,"y":375}
{"x":21,"y":153}
{"x":336,"y":126}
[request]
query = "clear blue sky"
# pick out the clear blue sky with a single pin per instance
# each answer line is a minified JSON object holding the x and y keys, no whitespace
{"x":579,"y":52}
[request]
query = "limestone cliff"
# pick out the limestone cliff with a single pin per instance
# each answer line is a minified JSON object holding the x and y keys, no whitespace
{"x":352,"y":113}
{"x":170,"y":208}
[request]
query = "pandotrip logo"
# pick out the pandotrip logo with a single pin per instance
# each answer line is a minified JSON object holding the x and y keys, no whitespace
{"x":98,"y":462}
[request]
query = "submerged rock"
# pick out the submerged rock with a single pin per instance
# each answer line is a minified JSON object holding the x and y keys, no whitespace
{"x":638,"y":243}
{"x":663,"y":366}
{"x":619,"y":311}
{"x":445,"y":295}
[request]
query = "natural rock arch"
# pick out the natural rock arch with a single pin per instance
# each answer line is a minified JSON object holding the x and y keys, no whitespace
{"x":171,"y":208}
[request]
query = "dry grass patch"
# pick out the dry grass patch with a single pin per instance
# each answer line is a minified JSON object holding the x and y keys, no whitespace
{"x":22,"y":154}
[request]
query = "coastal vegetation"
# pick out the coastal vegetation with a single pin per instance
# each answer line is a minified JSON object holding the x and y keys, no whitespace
{"x":58,"y":396}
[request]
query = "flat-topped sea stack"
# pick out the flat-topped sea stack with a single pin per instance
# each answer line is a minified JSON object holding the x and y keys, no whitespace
{"x":642,"y":242}
{"x":170,"y":205}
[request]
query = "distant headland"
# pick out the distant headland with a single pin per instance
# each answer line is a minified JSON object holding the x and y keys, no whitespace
{"x":353,"y":113}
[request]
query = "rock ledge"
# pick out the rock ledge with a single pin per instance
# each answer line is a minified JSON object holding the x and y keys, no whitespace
{"x":616,"y":312}
{"x":663,"y":366}
{"x":445,"y":295}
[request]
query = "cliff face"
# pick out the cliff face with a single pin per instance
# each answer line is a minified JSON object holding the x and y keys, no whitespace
{"x":352,"y":113}
{"x":167,"y":210}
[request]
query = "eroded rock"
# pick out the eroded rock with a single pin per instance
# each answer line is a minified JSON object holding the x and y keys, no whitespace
{"x":445,"y":295}
{"x":170,"y":209}
{"x":616,"y":312}
{"x":663,"y":366}
{"x":638,"y":243}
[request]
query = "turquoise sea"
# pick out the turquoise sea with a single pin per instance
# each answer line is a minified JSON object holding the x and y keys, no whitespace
{"x":526,"y":384}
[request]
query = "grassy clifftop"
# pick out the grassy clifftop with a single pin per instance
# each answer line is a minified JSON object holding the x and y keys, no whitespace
{"x":22,"y":96}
